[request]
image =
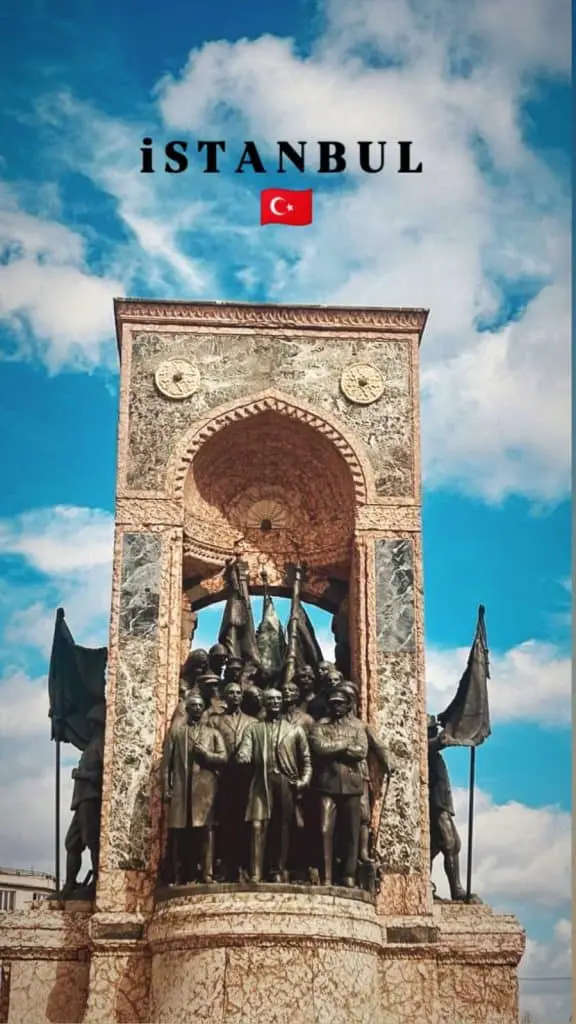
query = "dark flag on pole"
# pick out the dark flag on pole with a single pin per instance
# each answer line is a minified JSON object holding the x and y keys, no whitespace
{"x":466,"y":720}
{"x":308,"y":650}
{"x":271,"y":641}
{"x":76,"y":684}
{"x":237,"y":631}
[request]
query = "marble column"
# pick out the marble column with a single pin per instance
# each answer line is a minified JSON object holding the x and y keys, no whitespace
{"x":390,"y":668}
{"x":141,"y":690}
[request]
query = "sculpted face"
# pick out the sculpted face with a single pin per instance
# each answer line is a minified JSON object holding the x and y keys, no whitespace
{"x":305,"y":680}
{"x":333,"y":678}
{"x":195,"y":664}
{"x":233,"y":696}
{"x":273,"y":703}
{"x":290,"y":694}
{"x":352,"y":691}
{"x":233,"y":671}
{"x":194,"y":708}
{"x":323,"y":671}
{"x":218,"y":657}
{"x":338,"y":705}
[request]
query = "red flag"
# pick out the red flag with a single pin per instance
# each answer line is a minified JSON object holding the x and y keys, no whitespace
{"x":286,"y":206}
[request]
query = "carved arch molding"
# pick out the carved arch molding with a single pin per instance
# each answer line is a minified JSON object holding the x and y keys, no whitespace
{"x":285,"y":478}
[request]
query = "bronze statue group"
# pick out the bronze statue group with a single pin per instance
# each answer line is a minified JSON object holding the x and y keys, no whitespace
{"x":268,"y":782}
{"x":268,"y":772}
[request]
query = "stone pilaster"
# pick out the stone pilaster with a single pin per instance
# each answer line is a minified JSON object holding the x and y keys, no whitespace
{"x":141,"y":692}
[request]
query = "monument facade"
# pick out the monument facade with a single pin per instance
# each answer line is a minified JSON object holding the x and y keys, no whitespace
{"x":265,"y":450}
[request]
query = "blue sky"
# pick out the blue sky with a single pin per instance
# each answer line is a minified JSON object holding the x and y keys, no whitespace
{"x":481,"y":238}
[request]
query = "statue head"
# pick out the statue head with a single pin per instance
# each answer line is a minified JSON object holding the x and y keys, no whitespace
{"x":305,"y":680}
{"x":334,"y":678}
{"x":233,"y":670}
{"x":322,"y":671}
{"x":218,"y":656}
{"x":194,"y":706}
{"x":339,"y":703}
{"x":290,"y":695}
{"x":233,"y":696}
{"x":347,"y":686}
{"x":328,"y":675}
{"x":207,"y":683}
{"x":272,"y":700}
{"x":195,"y":664}
{"x":251,"y":700}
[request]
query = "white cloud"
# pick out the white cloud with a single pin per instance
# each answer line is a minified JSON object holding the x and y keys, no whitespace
{"x":23,"y":706}
{"x":59,"y":540}
{"x":153,"y":209}
{"x":71,"y":549}
{"x":521,"y":854}
{"x":530,"y":682}
{"x":456,"y":239}
{"x":59,"y":309}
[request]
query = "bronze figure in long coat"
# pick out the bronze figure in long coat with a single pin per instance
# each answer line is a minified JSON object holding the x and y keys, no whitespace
{"x":280,"y":757}
{"x":192,"y":757}
{"x":231,"y":832}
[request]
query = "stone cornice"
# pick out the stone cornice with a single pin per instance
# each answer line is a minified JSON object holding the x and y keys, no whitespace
{"x":156,"y":312}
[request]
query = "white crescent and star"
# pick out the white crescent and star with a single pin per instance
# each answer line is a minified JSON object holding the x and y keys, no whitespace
{"x":274,"y":209}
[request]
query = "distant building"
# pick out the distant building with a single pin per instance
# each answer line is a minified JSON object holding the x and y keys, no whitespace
{"x":19,"y":887}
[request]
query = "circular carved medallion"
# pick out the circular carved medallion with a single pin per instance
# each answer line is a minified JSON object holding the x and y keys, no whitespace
{"x":177,"y":378}
{"x":362,"y":383}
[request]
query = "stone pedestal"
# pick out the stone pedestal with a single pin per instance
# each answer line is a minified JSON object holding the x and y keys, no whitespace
{"x":45,"y":961}
{"x":265,"y":955}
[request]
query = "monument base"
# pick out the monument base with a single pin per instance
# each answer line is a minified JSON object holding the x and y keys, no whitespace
{"x":260,"y":956}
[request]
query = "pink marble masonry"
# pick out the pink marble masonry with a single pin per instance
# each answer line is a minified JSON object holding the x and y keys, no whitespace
{"x":347,"y":473}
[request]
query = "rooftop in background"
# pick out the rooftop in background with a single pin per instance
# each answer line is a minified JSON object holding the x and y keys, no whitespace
{"x":27,"y":872}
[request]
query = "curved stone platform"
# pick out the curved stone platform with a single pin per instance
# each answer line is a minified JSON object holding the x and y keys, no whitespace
{"x":264,"y":956}
{"x":259,"y":955}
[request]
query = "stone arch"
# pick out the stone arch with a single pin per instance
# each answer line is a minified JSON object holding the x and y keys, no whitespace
{"x":269,"y":401}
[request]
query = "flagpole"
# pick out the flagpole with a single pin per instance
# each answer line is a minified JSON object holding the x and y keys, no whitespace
{"x":470,"y":821}
{"x":290,"y":664}
{"x":57,"y":817}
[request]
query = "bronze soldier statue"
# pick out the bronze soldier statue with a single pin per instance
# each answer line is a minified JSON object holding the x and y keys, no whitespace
{"x":380,"y":753}
{"x":233,"y":670}
{"x":192,"y":756}
{"x":280,"y":757}
{"x":231,"y":833}
{"x":208,"y":683}
{"x":84,"y":830}
{"x":340,"y":745}
{"x":444,"y":837}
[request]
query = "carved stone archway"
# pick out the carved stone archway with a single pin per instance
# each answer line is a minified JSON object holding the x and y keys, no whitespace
{"x":281,"y":477}
{"x":270,"y":401}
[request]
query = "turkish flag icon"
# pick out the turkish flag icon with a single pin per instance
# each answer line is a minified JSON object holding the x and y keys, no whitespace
{"x":286,"y":206}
